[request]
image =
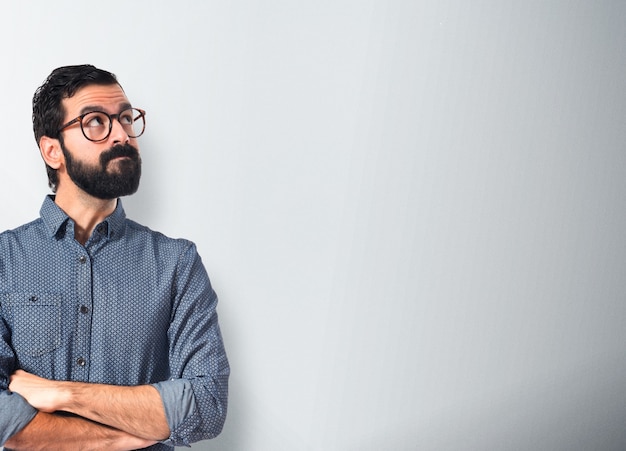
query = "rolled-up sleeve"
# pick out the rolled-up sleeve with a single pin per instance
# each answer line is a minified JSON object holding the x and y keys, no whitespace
{"x":196,"y":397}
{"x":15,"y":412}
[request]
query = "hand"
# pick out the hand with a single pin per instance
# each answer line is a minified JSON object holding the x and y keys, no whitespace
{"x":43,"y":394}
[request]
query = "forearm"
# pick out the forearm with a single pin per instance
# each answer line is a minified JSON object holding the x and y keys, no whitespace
{"x":51,"y":431}
{"x":136,"y":410}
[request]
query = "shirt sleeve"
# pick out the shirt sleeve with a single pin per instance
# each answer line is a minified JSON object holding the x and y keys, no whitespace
{"x":196,"y":396}
{"x":15,"y":412}
{"x":178,"y":400}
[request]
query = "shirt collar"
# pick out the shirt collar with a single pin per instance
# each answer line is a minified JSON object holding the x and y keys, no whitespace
{"x":56,"y":219}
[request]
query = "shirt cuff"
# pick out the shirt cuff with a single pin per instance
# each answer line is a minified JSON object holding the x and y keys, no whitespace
{"x":15,"y":414}
{"x":178,"y":400}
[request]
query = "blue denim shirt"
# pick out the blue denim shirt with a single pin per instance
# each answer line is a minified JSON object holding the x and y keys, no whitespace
{"x":130,"y":307}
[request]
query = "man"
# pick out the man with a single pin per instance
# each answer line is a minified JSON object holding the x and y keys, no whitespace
{"x":109,"y":336}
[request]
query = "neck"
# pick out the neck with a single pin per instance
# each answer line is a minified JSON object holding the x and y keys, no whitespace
{"x":86,"y":211}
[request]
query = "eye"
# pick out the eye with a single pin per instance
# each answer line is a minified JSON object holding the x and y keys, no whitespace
{"x":95,"y":119}
{"x":126,"y":117}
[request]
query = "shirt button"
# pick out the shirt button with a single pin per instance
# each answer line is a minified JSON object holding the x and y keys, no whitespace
{"x":81,"y":362}
{"x":82,"y":259}
{"x":84,"y":309}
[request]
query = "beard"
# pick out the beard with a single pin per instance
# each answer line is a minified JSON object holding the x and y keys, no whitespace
{"x":97,"y":181}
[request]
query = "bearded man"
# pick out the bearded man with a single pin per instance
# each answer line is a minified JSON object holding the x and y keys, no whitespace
{"x":109,"y":337}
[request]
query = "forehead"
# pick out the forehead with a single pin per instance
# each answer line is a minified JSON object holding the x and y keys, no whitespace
{"x":109,"y":98}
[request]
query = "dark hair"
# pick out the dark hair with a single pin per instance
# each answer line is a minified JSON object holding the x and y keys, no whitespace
{"x":48,"y":111}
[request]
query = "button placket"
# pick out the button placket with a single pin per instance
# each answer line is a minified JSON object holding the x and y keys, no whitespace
{"x":83,"y":323}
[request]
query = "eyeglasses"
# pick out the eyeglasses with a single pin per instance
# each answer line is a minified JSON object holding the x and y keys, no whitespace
{"x":97,"y":125}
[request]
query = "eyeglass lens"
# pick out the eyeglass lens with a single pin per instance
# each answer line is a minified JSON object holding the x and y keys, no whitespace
{"x":97,"y":125}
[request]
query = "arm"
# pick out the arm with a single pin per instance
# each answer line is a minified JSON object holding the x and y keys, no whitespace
{"x":136,"y":410}
{"x":15,"y":412}
{"x":71,"y":433}
{"x":195,"y":398}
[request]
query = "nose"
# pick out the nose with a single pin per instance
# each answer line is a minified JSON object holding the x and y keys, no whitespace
{"x":118,"y":134}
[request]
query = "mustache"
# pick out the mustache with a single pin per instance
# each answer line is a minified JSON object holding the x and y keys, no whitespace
{"x":120,"y":150}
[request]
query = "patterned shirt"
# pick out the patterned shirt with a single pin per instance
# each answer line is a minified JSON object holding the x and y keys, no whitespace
{"x":130,"y":307}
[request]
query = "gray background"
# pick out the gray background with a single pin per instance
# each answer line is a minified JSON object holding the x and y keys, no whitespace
{"x":413,"y":211}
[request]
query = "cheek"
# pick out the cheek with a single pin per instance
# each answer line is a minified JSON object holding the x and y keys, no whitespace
{"x":85,"y":152}
{"x":135,"y":143}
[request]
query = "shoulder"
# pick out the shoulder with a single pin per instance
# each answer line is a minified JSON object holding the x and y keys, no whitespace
{"x":158,"y":240}
{"x":25,"y":231}
{"x":166,"y":253}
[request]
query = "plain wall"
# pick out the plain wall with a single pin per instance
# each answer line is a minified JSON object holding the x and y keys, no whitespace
{"x":413,"y":211}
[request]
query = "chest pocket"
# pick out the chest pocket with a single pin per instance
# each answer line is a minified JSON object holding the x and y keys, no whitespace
{"x":34,"y":321}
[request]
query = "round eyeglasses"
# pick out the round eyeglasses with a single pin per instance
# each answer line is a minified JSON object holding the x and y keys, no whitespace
{"x":97,"y":125}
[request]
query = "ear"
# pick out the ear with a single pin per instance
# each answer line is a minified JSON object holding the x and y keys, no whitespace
{"x":51,"y":151}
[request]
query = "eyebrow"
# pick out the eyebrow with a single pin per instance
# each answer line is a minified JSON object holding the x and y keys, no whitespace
{"x":91,"y":108}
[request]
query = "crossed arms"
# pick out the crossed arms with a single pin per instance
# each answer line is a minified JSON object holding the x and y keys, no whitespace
{"x":190,"y":405}
{"x":107,"y":416}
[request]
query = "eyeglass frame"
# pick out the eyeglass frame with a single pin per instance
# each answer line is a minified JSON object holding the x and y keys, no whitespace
{"x":79,"y":119}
